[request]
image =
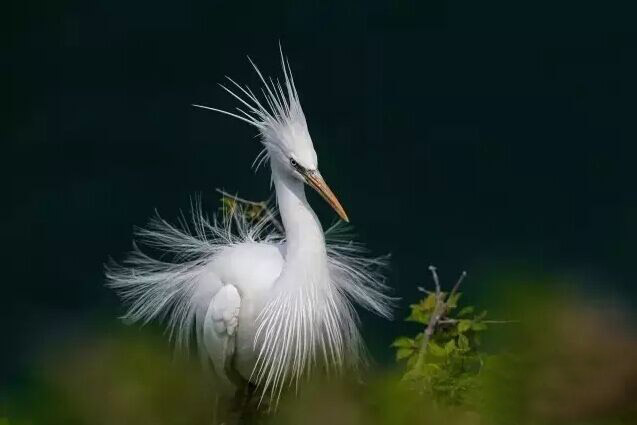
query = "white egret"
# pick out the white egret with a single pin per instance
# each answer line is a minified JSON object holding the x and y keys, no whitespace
{"x":265,"y":307}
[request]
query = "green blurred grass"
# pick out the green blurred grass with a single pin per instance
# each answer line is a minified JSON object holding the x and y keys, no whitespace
{"x":565,"y":362}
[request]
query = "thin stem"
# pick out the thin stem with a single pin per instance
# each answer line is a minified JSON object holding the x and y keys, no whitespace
{"x":432,"y":269}
{"x":242,"y":200}
{"x":438,"y":316}
{"x":457,"y":285}
{"x":439,"y":309}
{"x":268,"y":214}
{"x":454,"y":321}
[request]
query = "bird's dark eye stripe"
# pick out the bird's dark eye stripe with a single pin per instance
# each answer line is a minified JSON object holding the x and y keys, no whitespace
{"x":295,"y":164}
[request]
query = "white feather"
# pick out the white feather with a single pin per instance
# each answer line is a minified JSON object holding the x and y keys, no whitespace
{"x":296,"y":289}
{"x":303,"y":325}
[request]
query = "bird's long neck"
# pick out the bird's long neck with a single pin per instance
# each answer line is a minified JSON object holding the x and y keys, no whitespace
{"x":305,"y":251}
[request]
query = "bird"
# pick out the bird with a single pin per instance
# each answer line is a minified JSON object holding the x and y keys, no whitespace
{"x":265,"y":305}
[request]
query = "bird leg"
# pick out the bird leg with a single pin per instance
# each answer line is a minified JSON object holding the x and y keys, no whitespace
{"x":243,"y":403}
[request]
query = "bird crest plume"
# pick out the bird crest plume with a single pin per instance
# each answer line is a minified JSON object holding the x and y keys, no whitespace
{"x":277,"y":115}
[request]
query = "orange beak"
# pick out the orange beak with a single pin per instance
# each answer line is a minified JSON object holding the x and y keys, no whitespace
{"x":315,"y":180}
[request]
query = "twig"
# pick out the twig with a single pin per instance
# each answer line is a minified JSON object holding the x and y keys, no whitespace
{"x":439,"y":311}
{"x":435,"y":316}
{"x":457,"y":285}
{"x":243,"y":201}
{"x":453,"y":292}
{"x":454,"y":321}
{"x":268,"y":214}
{"x":438,"y":316}
{"x":432,"y":269}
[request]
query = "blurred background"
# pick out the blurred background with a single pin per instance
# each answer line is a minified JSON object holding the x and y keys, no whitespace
{"x":493,"y":137}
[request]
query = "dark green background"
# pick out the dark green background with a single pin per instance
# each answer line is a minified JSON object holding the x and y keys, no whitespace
{"x":487,"y":136}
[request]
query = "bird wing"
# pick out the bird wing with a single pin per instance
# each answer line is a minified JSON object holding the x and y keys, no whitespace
{"x":219,"y":332}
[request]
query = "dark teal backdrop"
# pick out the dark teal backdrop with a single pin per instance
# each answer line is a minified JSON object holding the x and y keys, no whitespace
{"x":485,"y":136}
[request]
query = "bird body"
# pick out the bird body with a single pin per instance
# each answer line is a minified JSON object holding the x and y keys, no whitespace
{"x":265,"y":307}
{"x":240,"y":279}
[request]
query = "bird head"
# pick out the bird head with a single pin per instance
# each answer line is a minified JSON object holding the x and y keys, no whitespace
{"x":283,"y":129}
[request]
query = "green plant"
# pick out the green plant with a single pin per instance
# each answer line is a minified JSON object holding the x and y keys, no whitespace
{"x":444,"y":359}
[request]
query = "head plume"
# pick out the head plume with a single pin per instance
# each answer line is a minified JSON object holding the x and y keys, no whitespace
{"x":277,"y":114}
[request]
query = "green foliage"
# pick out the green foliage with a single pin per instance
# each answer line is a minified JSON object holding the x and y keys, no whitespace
{"x":248,"y":210}
{"x":565,"y":362}
{"x":443,"y":360}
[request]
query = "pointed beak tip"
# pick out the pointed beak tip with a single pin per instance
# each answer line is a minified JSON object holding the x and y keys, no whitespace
{"x":317,"y":183}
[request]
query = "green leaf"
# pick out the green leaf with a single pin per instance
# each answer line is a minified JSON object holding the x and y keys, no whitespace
{"x":412,"y":375}
{"x":481,"y":315}
{"x":431,"y":368}
{"x":478,"y":326}
{"x":464,"y":325}
{"x":450,"y":346}
{"x":436,"y":350}
{"x":404,"y":342}
{"x":476,"y":339}
{"x":452,"y":302}
{"x":415,"y":307}
{"x":429,"y":303}
{"x":418,"y":315}
{"x":449,"y":370}
{"x":403,"y":353}
{"x":411,"y":362}
{"x":466,"y":311}
{"x":463,"y":342}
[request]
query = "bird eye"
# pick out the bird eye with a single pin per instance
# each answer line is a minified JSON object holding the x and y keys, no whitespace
{"x":294,"y":163}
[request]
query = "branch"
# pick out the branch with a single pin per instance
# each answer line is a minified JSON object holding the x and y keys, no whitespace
{"x":454,"y":321}
{"x":457,"y":285}
{"x":435,"y":317}
{"x":439,"y":311}
{"x":268,"y":214}
{"x":242,"y":200}
{"x":432,"y":269}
